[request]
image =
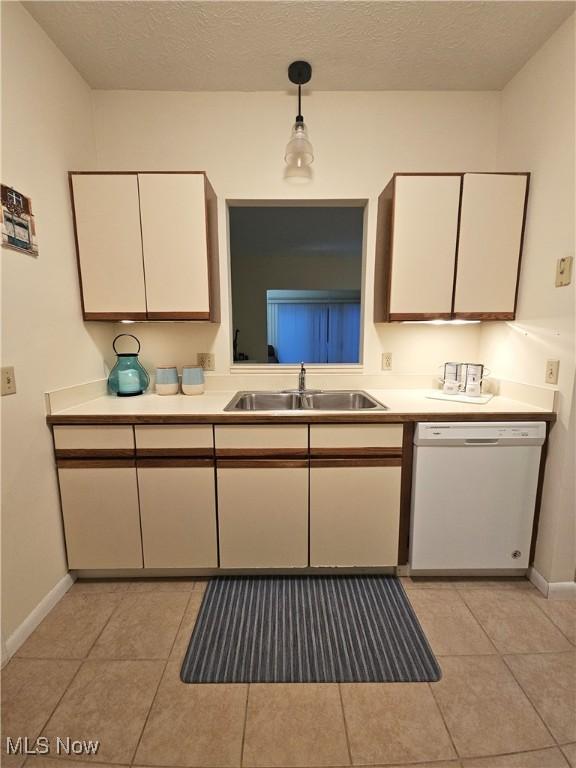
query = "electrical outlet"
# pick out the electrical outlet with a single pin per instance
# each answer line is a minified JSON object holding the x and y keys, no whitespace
{"x":8,"y":381}
{"x":386,"y":361}
{"x":564,"y":271}
{"x":206,"y":360}
{"x":552,"y":367}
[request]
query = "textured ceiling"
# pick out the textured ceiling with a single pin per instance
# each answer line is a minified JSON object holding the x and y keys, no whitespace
{"x":352,"y":45}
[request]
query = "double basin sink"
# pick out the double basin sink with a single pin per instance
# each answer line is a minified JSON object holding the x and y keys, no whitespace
{"x":311,"y":400}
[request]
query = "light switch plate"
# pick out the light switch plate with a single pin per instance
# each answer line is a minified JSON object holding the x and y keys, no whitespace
{"x":206,"y":360}
{"x":552,"y":367}
{"x":8,"y":381}
{"x":564,"y":271}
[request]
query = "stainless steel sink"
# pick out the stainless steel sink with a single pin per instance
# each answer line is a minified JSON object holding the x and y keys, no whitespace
{"x":264,"y":401}
{"x":353,"y":400}
{"x":347,"y":400}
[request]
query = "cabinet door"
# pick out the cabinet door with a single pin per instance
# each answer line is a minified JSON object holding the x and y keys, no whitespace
{"x":354,"y":513}
{"x":491,"y":227}
{"x":178,"y":512}
{"x":101,"y":515}
{"x":263,"y":514}
{"x":109,"y":243}
{"x":424,"y":233}
{"x":174,"y":238}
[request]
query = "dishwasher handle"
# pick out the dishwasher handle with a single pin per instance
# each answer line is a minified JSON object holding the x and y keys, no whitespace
{"x":481,"y":441}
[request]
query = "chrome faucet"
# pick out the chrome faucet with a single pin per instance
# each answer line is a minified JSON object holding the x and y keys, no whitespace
{"x":302,"y":379}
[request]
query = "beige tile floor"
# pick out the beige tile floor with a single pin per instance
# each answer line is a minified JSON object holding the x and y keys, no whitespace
{"x":105,"y":665}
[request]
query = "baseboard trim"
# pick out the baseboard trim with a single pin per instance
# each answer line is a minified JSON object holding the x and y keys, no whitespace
{"x":21,"y":634}
{"x":553,"y":590}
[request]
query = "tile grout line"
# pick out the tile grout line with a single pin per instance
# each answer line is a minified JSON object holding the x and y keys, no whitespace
{"x":479,"y":623}
{"x":242,"y":745}
{"x":64,"y":692}
{"x":448,"y":731}
{"x":346,"y":734}
{"x":145,"y":723}
{"x":519,"y":684}
{"x":99,"y":635}
{"x":80,"y":661}
{"x":535,"y":601}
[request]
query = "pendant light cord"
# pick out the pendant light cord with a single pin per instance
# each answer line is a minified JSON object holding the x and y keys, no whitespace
{"x":300,"y":101}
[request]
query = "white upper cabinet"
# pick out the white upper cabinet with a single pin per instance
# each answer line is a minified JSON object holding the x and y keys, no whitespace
{"x":147,"y":245}
{"x":424,"y":245}
{"x":449,"y":246}
{"x":107,"y":219}
{"x":174,"y":238}
{"x":491,"y":225}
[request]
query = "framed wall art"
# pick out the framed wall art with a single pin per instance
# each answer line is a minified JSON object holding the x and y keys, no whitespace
{"x":18,"y":225}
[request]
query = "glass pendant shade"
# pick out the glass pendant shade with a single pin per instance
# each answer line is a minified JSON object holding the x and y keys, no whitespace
{"x":299,"y":150}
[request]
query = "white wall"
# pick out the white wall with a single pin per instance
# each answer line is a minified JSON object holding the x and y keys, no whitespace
{"x":537,"y":133}
{"x":47,"y":130}
{"x":360,"y":139}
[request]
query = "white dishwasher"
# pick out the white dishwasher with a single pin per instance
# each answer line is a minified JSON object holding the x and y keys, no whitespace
{"x":473,"y":494}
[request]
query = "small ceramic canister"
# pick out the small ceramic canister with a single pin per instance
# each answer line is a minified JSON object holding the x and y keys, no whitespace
{"x":192,"y":380}
{"x":166,"y":380}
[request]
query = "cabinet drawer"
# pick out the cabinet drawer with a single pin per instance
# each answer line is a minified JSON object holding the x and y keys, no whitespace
{"x":178,"y":440}
{"x":354,"y":514}
{"x":283,"y":440}
{"x":263,"y":514}
{"x":356,"y":439}
{"x":99,"y":441}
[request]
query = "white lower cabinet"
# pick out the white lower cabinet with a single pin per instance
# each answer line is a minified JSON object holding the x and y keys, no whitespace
{"x":354,"y":513}
{"x":101,"y":515}
{"x":263,"y":514}
{"x":178,"y":514}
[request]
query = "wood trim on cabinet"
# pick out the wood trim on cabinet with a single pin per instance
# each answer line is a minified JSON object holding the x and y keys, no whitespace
{"x":353,"y":453}
{"x":356,"y":462}
{"x":174,"y":462}
{"x":76,"y":244}
{"x":262,"y":464}
{"x":95,"y":463}
{"x":94,"y":453}
{"x":211,"y":203}
{"x":483,"y":315}
{"x":383,"y":258}
{"x":128,"y":173}
{"x":455,"y":277}
{"x":263,"y":453}
{"x":402,"y":317}
{"x":382,"y":417}
{"x":178,"y":315}
{"x":539,"y":491}
{"x":175,"y":453}
{"x":522,"y":233}
{"x":406,"y":493}
{"x":113,"y":316}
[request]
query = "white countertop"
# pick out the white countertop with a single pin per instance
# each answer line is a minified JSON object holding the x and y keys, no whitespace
{"x":399,"y":402}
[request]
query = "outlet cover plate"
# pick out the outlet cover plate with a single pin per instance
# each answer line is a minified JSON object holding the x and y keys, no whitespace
{"x":206,"y":360}
{"x":386,"y":361}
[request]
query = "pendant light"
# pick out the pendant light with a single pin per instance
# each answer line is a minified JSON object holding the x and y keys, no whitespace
{"x":299,"y":152}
